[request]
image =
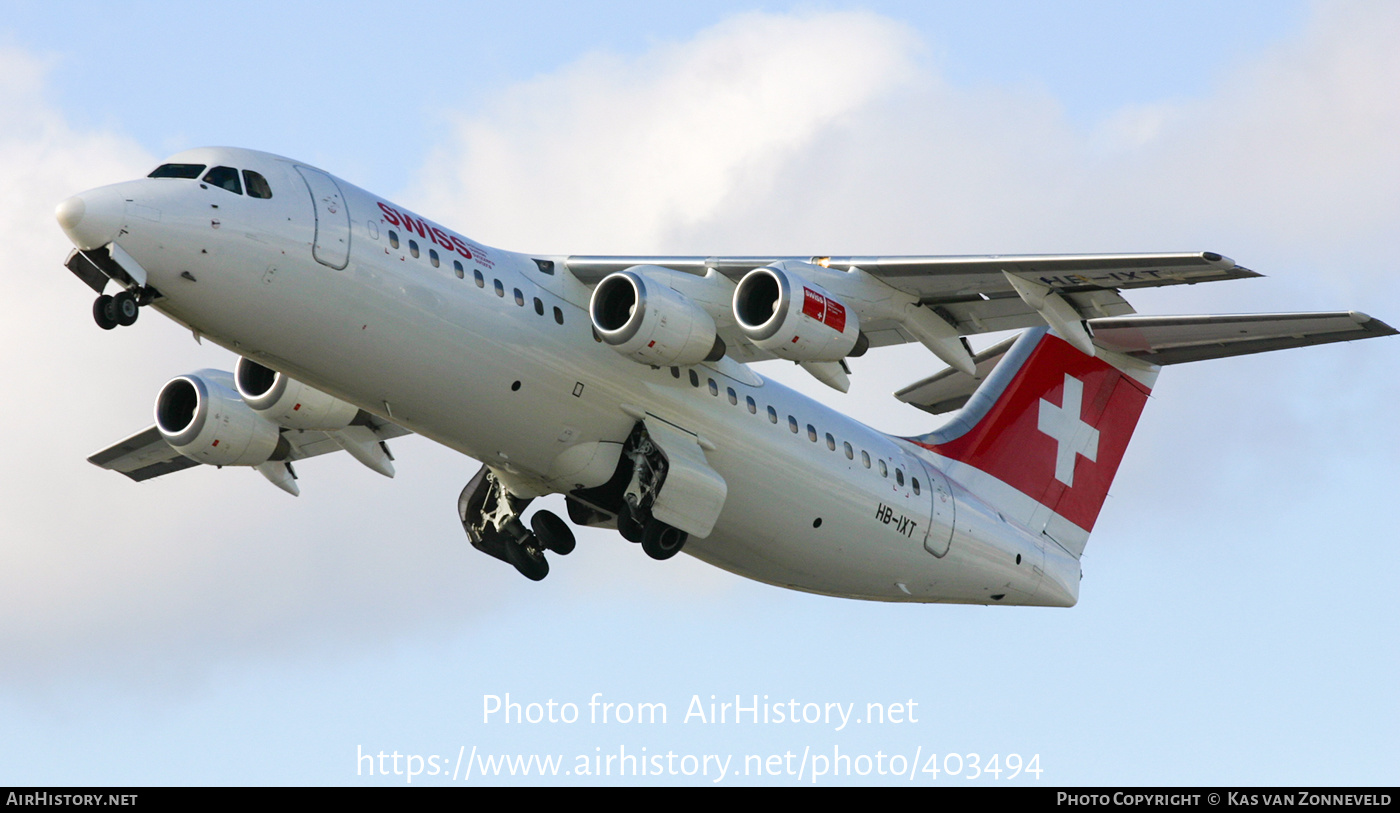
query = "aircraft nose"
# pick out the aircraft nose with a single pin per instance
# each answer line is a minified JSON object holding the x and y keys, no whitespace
{"x":91,"y":219}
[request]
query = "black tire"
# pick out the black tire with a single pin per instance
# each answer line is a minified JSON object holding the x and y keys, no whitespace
{"x":553,"y":532}
{"x":661,"y":541}
{"x":102,"y":312}
{"x":532,"y":565}
{"x":630,"y":529}
{"x":124,"y":309}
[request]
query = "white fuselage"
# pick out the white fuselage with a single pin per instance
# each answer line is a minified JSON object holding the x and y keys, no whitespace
{"x":499,"y":378}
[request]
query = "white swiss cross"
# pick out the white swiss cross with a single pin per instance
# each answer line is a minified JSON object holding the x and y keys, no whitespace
{"x":1072,"y":435}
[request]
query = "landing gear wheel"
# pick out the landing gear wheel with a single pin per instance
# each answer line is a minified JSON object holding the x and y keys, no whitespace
{"x":125,"y":309}
{"x":661,"y":541}
{"x":553,"y":532}
{"x":630,"y":529}
{"x":527,"y":558}
{"x":103,"y":313}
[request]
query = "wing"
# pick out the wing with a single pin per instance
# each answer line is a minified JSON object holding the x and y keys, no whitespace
{"x":974,"y":290}
{"x":146,"y":455}
{"x":1168,"y":340}
{"x":142,"y":456}
{"x":971,"y":294}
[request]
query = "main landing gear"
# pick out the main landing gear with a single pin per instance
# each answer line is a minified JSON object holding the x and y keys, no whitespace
{"x":491,"y":516}
{"x":659,"y":540}
{"x":631,"y":494}
{"x":120,"y":309}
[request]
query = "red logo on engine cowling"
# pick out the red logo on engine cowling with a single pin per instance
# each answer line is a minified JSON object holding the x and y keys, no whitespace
{"x":824,"y":309}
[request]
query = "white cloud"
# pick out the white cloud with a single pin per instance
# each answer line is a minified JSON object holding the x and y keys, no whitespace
{"x":609,"y":153}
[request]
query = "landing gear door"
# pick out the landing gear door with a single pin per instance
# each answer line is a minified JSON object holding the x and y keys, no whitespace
{"x":693,"y":493}
{"x":332,"y":246}
{"x":940,"y":528}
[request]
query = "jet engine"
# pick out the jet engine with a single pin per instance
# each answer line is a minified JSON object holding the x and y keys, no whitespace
{"x":795,"y":319}
{"x":203,"y":418}
{"x":289,"y":403}
{"x":649,"y":322}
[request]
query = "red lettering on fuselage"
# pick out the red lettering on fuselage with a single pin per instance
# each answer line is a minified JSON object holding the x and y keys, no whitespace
{"x":449,"y":241}
{"x":412,"y":225}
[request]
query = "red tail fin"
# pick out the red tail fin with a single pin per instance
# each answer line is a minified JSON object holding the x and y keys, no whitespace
{"x":1052,"y":423}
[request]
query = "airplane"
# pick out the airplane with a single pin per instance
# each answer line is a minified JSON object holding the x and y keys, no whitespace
{"x":625,"y":383}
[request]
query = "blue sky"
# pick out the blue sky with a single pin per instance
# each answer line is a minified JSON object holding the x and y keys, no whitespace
{"x":1236,"y":615}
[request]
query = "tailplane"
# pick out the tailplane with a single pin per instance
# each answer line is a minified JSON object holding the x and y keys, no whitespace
{"x":1041,"y":437}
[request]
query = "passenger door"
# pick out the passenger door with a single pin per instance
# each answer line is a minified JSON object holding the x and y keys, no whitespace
{"x":332,"y":246}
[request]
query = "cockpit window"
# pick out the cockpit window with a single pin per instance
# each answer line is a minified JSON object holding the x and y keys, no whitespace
{"x":257,"y":184}
{"x":189,"y":171}
{"x":226,"y":177}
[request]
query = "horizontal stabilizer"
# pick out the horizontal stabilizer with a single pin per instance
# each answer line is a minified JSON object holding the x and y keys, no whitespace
{"x":1179,"y":339}
{"x":949,"y":389}
{"x":1165,"y":340}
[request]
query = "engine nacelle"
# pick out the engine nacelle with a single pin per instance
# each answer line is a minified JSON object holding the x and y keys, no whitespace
{"x":650,"y":322}
{"x":288,"y":402}
{"x":204,"y":419}
{"x":793,"y":318}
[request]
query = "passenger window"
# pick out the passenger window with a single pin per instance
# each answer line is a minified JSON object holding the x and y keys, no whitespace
{"x":224,"y":178}
{"x":916,"y":485}
{"x":812,"y":433}
{"x":413,"y":248}
{"x":753,"y":408}
{"x":539,"y":307}
{"x":772,"y":415}
{"x":733,"y":397}
{"x":500,"y":289}
{"x":257,"y":185}
{"x":694,"y":379}
{"x":850,"y":453}
{"x":884,"y":470}
{"x":559,"y":317}
{"x":186,"y":171}
{"x":433,"y":258}
{"x":865,"y":458}
{"x":792,"y":424}
{"x":830,"y":442}
{"x":899,"y":476}
{"x":480,"y":280}
{"x":519,"y":298}
{"x":675,"y":371}
{"x":393,"y":238}
{"x":458,"y":269}
{"x":714,"y":388}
